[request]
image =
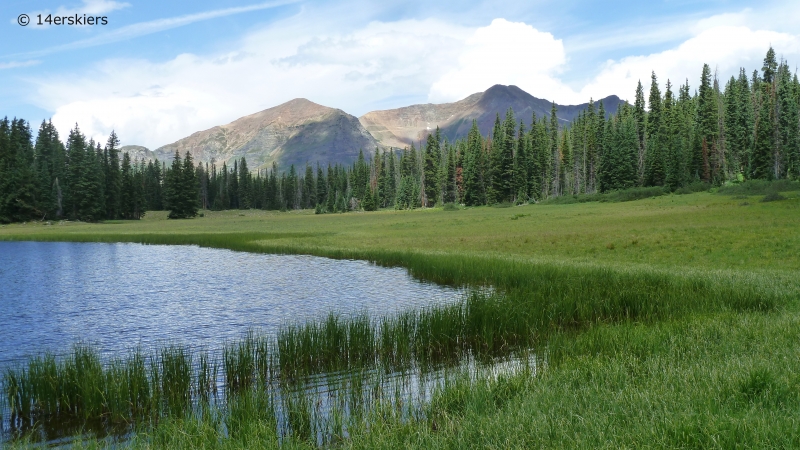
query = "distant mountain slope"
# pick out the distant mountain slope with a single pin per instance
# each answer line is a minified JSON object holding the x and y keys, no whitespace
{"x":301,"y":131}
{"x":137,"y":152}
{"x":295,"y":132}
{"x":402,"y":126}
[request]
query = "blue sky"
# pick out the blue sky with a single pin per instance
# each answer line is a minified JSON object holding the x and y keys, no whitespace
{"x":161,"y":70}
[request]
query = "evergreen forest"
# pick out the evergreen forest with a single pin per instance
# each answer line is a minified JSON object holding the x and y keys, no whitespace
{"x":719,"y":132}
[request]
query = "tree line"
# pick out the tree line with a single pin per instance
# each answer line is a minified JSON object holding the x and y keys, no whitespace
{"x":748,"y":129}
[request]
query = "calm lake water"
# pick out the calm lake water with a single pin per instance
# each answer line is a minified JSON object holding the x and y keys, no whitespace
{"x":118,"y":296}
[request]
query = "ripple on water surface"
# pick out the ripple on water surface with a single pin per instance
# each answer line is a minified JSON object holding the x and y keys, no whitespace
{"x":118,"y":296}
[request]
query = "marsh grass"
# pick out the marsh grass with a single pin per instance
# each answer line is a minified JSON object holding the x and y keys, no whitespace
{"x":534,"y":304}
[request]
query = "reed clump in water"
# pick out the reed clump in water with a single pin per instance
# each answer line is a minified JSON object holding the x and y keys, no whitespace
{"x":122,"y":391}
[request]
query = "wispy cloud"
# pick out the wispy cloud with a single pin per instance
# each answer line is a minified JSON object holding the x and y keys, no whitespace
{"x":17,"y":64}
{"x":93,"y":7}
{"x":154,"y":26}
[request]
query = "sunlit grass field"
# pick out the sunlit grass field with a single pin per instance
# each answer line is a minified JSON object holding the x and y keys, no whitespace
{"x":664,"y":322}
{"x":704,"y":231}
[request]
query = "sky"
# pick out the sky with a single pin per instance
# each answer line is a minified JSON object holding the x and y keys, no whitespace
{"x":158,"y":71}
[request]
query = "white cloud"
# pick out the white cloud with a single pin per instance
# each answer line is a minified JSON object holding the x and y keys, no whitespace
{"x":155,"y":104}
{"x":724,"y":48}
{"x":92,"y":7}
{"x":380,"y":64}
{"x":154,"y":26}
{"x":16,"y":64}
{"x":505,"y":53}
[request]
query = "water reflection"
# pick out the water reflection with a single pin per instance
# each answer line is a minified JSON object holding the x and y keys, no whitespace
{"x":119,"y":296}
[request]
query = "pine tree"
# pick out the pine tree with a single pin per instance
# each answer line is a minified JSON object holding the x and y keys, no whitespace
{"x":534,"y":156}
{"x":322,"y":188}
{"x":654,"y":153}
{"x":641,"y":122}
{"x":787,"y":123}
{"x":183,"y":194}
{"x":48,"y":167}
{"x":391,"y":180}
{"x":555,"y":169}
{"x":233,"y":186}
{"x":113,"y":177}
{"x":521,"y":165}
{"x":770,"y":66}
{"x":761,"y":161}
{"x":472,"y":179}
{"x":431,"y":172}
{"x":592,"y":149}
{"x":290,"y":189}
{"x":245,"y":185}
{"x":17,"y":177}
{"x":127,"y":205}
{"x":190,"y":187}
{"x":503,"y":160}
{"x":707,"y":122}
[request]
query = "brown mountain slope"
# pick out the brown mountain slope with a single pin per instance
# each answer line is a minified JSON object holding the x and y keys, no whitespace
{"x":296,"y":132}
{"x":402,"y":126}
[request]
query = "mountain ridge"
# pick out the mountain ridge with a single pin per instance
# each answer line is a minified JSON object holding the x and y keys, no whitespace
{"x":300,"y":132}
{"x":400,"y":127}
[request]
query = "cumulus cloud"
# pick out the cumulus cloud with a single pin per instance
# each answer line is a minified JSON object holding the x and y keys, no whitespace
{"x":723,"y":47}
{"x":377,"y":65}
{"x":505,"y":53}
{"x":154,"y":104}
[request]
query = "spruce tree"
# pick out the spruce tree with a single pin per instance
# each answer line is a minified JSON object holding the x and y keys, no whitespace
{"x":431,"y":172}
{"x":113,"y":177}
{"x":49,"y":167}
{"x":770,"y":66}
{"x":654,"y":155}
{"x":245,"y":185}
{"x":127,"y":205}
{"x":788,"y":122}
{"x":290,"y":189}
{"x":707,"y":123}
{"x":761,"y":161}
{"x":183,"y":193}
{"x":503,"y":160}
{"x":641,"y":122}
{"x":17,"y":177}
{"x":322,"y":188}
{"x":472,"y":179}
{"x":521,"y":165}
{"x":190,"y":197}
{"x":555,"y":160}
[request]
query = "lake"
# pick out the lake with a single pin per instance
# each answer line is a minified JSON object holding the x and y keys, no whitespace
{"x":119,"y":296}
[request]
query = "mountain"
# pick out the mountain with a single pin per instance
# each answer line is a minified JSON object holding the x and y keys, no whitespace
{"x":296,"y":132}
{"x":137,"y":152}
{"x":300,"y":131}
{"x":402,"y":126}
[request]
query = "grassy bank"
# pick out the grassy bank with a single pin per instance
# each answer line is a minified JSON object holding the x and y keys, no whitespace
{"x":631,"y":305}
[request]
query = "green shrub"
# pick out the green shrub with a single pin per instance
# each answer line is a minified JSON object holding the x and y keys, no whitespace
{"x":760,"y":187}
{"x":772,"y":197}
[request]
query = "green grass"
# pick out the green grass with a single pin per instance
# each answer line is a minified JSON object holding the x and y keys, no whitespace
{"x":663,"y":322}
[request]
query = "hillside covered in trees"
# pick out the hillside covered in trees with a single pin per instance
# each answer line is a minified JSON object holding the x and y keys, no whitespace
{"x":746,"y":129}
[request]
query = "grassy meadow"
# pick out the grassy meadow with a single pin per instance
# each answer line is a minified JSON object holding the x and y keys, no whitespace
{"x":663,"y":322}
